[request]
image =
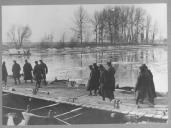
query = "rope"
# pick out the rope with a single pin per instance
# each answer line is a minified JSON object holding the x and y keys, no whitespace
{"x":32,"y":109}
{"x":72,"y":116}
{"x":69,"y":112}
{"x":63,"y":121}
{"x":45,"y":107}
{"x":13,"y":108}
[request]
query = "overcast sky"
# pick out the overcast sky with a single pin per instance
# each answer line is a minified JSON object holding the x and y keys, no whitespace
{"x":57,"y":19}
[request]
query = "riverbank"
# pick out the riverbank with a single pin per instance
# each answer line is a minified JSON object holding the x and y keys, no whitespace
{"x":78,"y":96}
{"x":77,"y":45}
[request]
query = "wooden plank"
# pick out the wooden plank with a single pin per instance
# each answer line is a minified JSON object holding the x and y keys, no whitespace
{"x":93,"y":102}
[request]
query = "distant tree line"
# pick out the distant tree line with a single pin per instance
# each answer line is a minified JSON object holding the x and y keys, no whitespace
{"x":116,"y":25}
{"x":112,"y":25}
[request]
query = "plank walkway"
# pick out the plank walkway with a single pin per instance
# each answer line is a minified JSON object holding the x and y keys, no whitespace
{"x":79,"y":97}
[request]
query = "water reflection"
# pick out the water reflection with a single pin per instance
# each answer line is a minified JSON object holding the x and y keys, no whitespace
{"x":74,"y":64}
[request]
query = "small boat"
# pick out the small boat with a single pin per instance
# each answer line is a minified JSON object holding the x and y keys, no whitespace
{"x":19,"y":52}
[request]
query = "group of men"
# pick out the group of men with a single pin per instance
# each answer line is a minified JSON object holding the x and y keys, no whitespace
{"x":37,"y":73}
{"x":102,"y":80}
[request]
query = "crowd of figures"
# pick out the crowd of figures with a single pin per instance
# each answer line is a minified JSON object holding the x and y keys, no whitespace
{"x":102,"y":80}
{"x":38,"y":73}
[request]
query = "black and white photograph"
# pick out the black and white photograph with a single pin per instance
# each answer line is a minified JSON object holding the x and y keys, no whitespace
{"x":77,"y":64}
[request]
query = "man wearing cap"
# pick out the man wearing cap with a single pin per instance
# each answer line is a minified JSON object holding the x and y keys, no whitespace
{"x":44,"y":71}
{"x":16,"y":72}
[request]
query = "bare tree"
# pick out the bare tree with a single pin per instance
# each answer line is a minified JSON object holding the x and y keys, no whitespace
{"x":48,"y":38}
{"x":148,"y":27}
{"x":19,"y":35}
{"x":101,"y":26}
{"x":63,"y":38}
{"x":95,"y":23}
{"x":81,"y":19}
{"x":109,"y":20}
{"x":139,"y":22}
{"x":12,"y":36}
{"x":154,"y":31}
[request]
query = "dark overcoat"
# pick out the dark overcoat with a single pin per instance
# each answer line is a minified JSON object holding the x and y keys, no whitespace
{"x":142,"y":85}
{"x":111,"y":78}
{"x":4,"y":73}
{"x":105,"y":91}
{"x":97,"y":78}
{"x":91,"y":81}
{"x":16,"y":70}
{"x":37,"y":72}
{"x":43,"y":68}
{"x":27,"y":69}
{"x":151,"y":88}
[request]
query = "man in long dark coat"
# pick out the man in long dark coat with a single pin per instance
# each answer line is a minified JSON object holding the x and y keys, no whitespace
{"x":91,"y":81}
{"x":37,"y":74}
{"x":145,"y":86}
{"x":16,"y":72}
{"x":44,"y":71}
{"x":111,"y":80}
{"x":103,"y":82}
{"x":27,"y":69}
{"x":97,"y":77}
{"x":151,"y":88}
{"x":4,"y":73}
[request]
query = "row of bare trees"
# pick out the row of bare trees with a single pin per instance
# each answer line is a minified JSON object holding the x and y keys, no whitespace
{"x":116,"y":24}
{"x":19,"y":34}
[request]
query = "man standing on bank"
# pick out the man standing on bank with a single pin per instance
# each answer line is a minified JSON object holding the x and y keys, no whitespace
{"x":27,"y":69}
{"x":16,"y":72}
{"x":4,"y":73}
{"x":37,"y":74}
{"x":145,"y":86}
{"x":44,"y":71}
{"x":111,"y":80}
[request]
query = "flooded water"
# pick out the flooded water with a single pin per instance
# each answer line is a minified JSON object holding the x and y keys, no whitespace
{"x":73,"y":63}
